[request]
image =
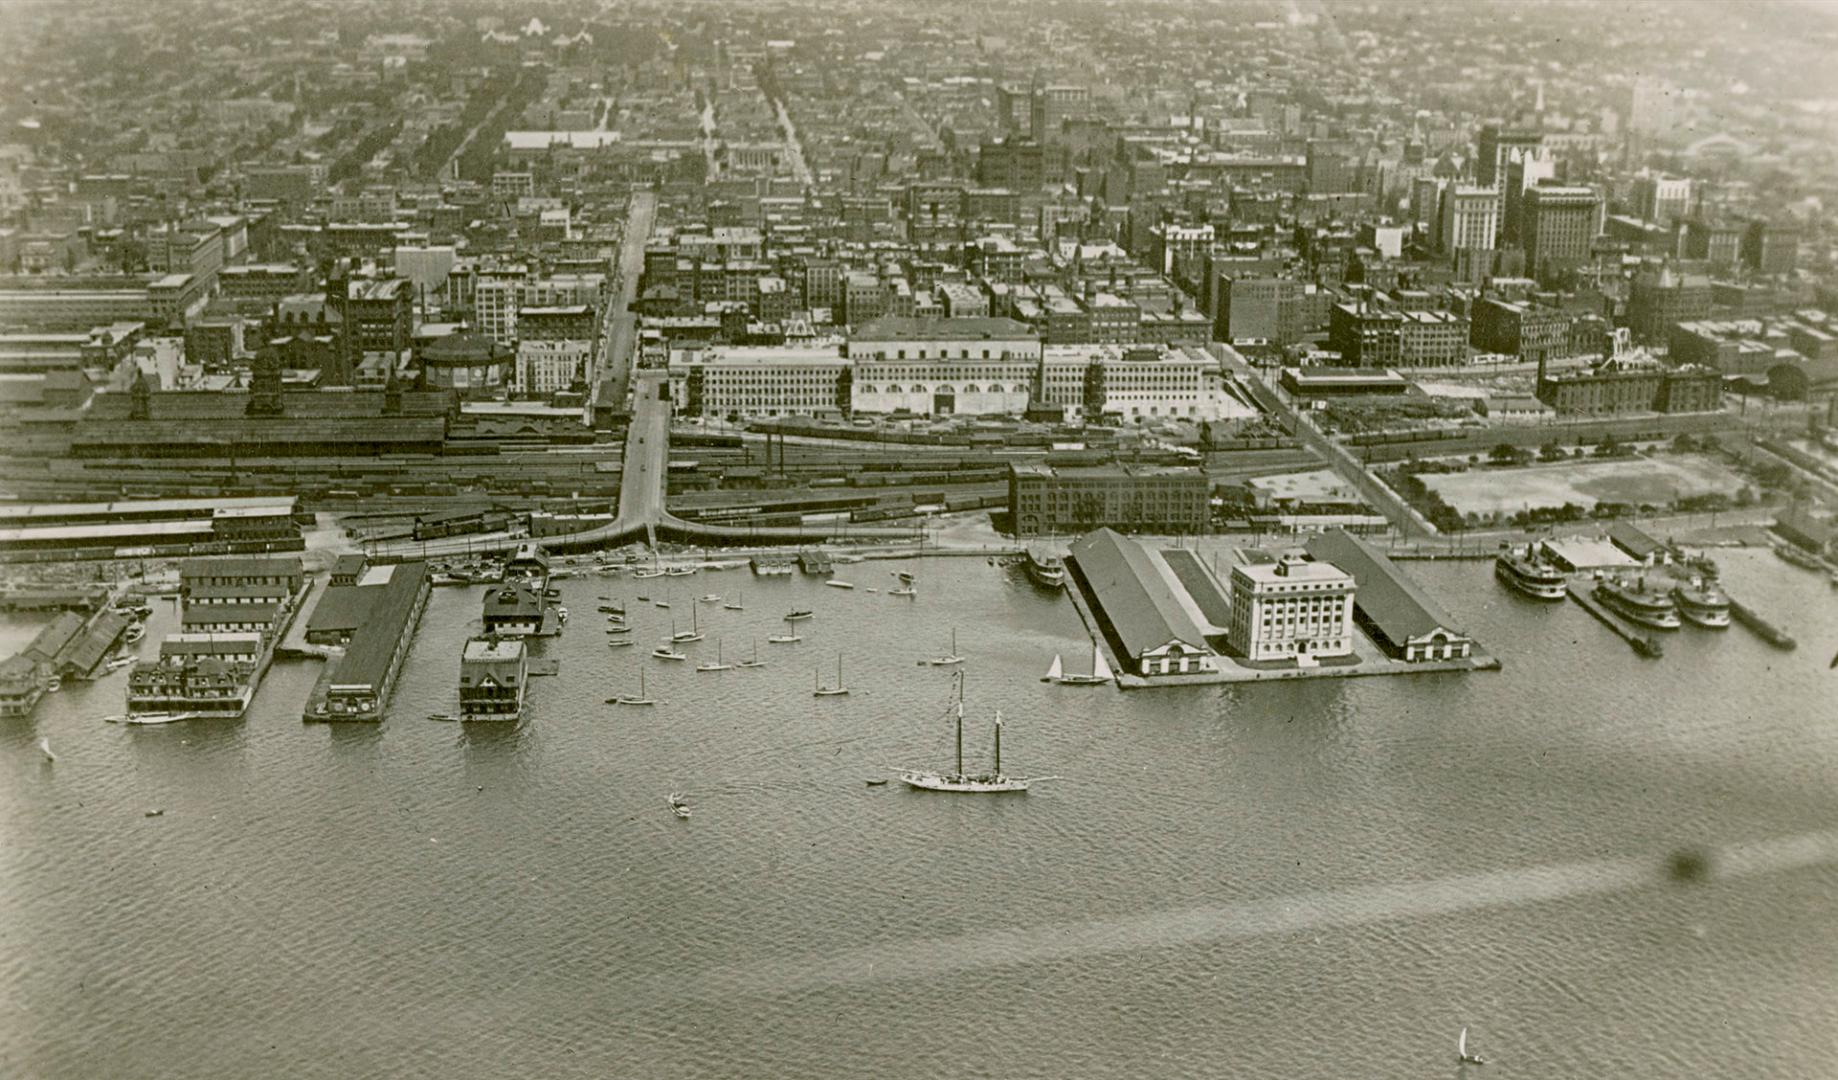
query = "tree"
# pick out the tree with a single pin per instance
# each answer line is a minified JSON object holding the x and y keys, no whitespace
{"x":1550,"y":451}
{"x":1503,"y":454}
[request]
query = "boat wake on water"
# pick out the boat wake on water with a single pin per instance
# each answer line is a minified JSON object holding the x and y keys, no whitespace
{"x":1159,"y":930}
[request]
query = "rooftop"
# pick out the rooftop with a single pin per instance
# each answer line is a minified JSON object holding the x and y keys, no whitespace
{"x":900,"y":328}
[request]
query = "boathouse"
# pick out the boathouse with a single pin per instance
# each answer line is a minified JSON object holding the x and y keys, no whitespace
{"x":493,"y":675}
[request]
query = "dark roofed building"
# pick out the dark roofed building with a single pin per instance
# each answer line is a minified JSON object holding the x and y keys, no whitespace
{"x":358,"y":685}
{"x":53,"y":639}
{"x":1133,"y":604}
{"x":1399,"y":615}
{"x":302,"y":423}
{"x":1638,"y":544}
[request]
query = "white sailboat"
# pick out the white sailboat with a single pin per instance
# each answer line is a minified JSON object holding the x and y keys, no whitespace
{"x":949,"y":658}
{"x":719,"y":664}
{"x":754,"y":660}
{"x":630,"y":699}
{"x":737,"y":603}
{"x":694,"y":634}
{"x":1100,"y":671}
{"x":991,"y":782}
{"x":783,"y":639}
{"x":1461,"y":1050}
{"x":830,"y":691}
{"x":665,"y":652}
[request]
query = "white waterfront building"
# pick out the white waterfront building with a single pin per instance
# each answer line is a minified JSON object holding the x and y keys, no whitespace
{"x":1294,"y":608}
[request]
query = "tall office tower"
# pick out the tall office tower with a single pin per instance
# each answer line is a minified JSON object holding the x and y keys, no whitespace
{"x":1522,"y":174}
{"x":1470,"y":218}
{"x":1558,"y":225}
{"x":1499,"y":145}
{"x":1661,"y":199}
{"x":1053,"y":105}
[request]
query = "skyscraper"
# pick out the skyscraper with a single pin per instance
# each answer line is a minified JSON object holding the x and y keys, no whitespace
{"x":1470,"y":218}
{"x":1559,"y":224}
{"x":1500,"y":146}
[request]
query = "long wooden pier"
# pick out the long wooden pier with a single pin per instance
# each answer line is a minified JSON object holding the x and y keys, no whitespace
{"x":1644,"y":644}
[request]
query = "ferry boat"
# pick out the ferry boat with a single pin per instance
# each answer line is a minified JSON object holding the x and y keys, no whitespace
{"x":1528,"y":573}
{"x":1702,"y":602}
{"x":1044,"y":568}
{"x":1634,"y":600}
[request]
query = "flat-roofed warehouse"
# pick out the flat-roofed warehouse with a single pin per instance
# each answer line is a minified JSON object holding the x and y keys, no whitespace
{"x":1134,"y":605}
{"x":1389,"y":606}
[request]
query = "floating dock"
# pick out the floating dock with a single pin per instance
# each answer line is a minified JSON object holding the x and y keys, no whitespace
{"x":1644,"y":644}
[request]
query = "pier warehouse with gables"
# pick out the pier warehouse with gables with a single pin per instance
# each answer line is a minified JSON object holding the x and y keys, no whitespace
{"x":1399,"y":616}
{"x":1146,"y":625}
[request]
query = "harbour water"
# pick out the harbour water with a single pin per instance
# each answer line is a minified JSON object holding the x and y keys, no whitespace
{"x":1324,"y":878}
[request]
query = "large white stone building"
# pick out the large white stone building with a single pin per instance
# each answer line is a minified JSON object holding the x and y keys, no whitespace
{"x":1292,"y":609}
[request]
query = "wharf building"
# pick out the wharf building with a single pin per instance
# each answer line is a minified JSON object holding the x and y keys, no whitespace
{"x":494,"y":673}
{"x":1391,"y":608}
{"x":375,"y":621}
{"x":233,"y":611}
{"x":1044,"y":499}
{"x":1134,"y":605}
{"x":1291,"y":608}
{"x":149,"y":528}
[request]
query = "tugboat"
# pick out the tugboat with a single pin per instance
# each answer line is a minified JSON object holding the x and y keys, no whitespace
{"x":1635,"y":601}
{"x":1044,"y":568}
{"x":1703,"y":602}
{"x":1528,"y":573}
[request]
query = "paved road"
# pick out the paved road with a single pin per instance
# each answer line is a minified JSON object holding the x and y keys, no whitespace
{"x":616,"y":353}
{"x":1407,"y":521}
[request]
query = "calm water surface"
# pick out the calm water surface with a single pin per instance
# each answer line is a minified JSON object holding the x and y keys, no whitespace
{"x":1323,"y":878}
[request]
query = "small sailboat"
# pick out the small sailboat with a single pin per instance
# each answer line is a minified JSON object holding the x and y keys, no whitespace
{"x":736,"y":604}
{"x":665,"y":604}
{"x":951,"y":658}
{"x":710,"y":598}
{"x":1100,"y":671}
{"x":800,"y":613}
{"x":1461,"y":1050}
{"x":754,"y":660}
{"x":619,"y":643}
{"x":830,"y":691}
{"x":905,"y":577}
{"x":875,"y":781}
{"x":693,"y":634}
{"x":665,"y":652}
{"x":620,"y":629}
{"x":904,"y":590}
{"x":44,"y":747}
{"x":642,"y":599}
{"x":782,"y":639}
{"x":718,"y":665}
{"x":631,"y":699}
